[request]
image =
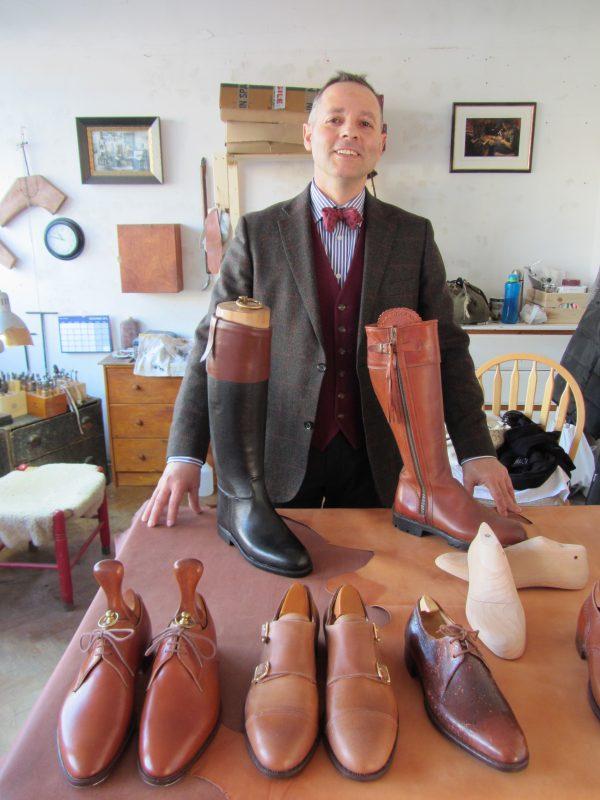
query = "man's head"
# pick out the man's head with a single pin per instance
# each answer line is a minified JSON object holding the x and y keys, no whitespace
{"x":344,"y":134}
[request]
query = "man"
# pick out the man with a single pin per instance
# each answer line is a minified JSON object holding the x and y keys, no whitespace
{"x":327,"y":439}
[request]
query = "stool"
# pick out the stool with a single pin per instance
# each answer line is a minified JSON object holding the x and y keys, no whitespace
{"x":35,"y":503}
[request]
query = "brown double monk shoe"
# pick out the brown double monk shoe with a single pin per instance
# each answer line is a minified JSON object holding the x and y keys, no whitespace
{"x":282,"y":706}
{"x":587,"y":642}
{"x":183,"y":700}
{"x":361,"y":712}
{"x":461,"y":697}
{"x":96,"y":719}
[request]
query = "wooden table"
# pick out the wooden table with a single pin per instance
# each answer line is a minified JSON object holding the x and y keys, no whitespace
{"x":547,"y":687}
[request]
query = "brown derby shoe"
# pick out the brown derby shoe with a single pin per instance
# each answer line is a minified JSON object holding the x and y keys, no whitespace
{"x":182,"y":704}
{"x":95,"y":721}
{"x":587,"y":642}
{"x":361,"y":712}
{"x":461,"y":697}
{"x":282,"y":706}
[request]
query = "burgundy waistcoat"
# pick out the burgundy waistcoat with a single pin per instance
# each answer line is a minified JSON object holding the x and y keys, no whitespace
{"x":339,"y":400}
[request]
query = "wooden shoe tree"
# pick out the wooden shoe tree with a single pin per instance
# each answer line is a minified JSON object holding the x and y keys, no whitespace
{"x":493,"y":605}
{"x":535,"y":562}
{"x":296,"y":602}
{"x":191,"y":611}
{"x":348,"y":601}
{"x":120,"y":609}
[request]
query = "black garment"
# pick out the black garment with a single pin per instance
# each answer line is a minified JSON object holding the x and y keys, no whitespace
{"x":529,"y":453}
{"x":340,"y":474}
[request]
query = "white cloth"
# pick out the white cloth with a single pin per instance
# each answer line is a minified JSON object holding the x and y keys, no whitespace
{"x":29,"y":498}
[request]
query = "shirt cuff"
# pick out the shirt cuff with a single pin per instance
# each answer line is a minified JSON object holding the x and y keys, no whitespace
{"x":186,"y":460}
{"x":476,"y":458}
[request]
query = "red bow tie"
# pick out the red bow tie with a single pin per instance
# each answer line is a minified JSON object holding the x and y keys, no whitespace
{"x":332,"y":215}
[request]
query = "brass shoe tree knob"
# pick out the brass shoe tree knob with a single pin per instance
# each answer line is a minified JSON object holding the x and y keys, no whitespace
{"x":188,"y":572}
{"x":109,"y":575}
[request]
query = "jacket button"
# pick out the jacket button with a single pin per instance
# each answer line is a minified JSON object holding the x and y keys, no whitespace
{"x":342,"y":351}
{"x":342,"y":373}
{"x":341,"y":329}
{"x":321,"y":367}
{"x":341,"y":395}
{"x":309,"y":425}
{"x":341,"y":307}
{"x":340,"y":416}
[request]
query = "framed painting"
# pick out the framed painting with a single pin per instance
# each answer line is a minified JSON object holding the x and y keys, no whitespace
{"x":492,"y":137}
{"x":119,"y":149}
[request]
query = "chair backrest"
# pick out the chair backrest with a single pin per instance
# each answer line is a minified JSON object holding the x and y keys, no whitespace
{"x":547,"y":408}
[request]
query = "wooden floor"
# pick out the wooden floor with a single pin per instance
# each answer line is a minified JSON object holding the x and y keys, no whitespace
{"x":34,"y":627}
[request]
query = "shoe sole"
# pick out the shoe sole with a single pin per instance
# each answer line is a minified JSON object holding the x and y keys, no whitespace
{"x":169,"y":780}
{"x":231,"y":540}
{"x":499,"y":765}
{"x":581,"y":649}
{"x":360,"y":776}
{"x":100,"y":777}
{"x":285,"y":773}
{"x":421,"y":529}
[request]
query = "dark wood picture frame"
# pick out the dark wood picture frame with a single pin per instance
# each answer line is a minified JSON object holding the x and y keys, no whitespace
{"x":119,"y":149}
{"x":492,"y":137}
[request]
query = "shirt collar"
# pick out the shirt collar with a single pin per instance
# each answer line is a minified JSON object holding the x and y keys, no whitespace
{"x":319,"y":201}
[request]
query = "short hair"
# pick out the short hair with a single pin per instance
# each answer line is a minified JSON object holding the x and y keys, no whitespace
{"x":343,"y":77}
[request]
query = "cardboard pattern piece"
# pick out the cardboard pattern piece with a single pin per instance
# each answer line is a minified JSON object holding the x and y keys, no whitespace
{"x":547,"y":687}
{"x":150,"y":258}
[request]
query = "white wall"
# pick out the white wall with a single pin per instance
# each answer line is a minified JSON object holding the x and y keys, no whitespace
{"x":150,"y":57}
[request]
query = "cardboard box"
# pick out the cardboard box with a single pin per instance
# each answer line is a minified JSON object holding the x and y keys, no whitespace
{"x":284,"y":132}
{"x":260,"y":148}
{"x":561,"y":307}
{"x":251,"y":103}
{"x":45,"y":407}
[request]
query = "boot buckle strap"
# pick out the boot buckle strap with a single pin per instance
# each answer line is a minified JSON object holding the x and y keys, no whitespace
{"x":383,"y":673}
{"x":261,"y":671}
{"x":264,"y":632}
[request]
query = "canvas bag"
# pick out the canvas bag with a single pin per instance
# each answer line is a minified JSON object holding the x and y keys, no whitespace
{"x":470,"y":304}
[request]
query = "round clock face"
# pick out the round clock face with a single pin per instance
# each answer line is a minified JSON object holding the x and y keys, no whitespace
{"x":64,"y":238}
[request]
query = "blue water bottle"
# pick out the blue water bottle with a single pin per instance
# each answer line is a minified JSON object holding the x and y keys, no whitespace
{"x":512,"y":292}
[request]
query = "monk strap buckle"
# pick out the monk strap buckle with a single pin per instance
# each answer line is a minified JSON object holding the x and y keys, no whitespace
{"x":376,"y":635}
{"x":108,"y":619}
{"x":264,"y":632}
{"x":383,"y":672}
{"x":184,"y":619}
{"x":261,"y":671}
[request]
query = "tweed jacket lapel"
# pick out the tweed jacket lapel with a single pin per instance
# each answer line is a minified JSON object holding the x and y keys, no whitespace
{"x":295,"y":230}
{"x":381,"y":232}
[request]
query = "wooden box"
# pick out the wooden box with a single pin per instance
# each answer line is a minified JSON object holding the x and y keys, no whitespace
{"x":45,"y":407}
{"x":150,"y":258}
{"x":14,"y":403}
{"x":562,"y":307}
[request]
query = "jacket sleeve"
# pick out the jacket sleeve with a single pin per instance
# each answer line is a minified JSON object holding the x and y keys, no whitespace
{"x":190,"y":433}
{"x":463,"y":398}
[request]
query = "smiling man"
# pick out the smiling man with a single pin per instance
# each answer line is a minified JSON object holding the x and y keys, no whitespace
{"x":327,"y":263}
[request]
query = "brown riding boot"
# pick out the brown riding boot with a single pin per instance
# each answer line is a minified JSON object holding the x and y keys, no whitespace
{"x":95,"y":721}
{"x":282,"y":706}
{"x":181,"y":709}
{"x":403,"y":357}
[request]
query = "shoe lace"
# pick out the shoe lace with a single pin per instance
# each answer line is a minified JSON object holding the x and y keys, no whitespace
{"x":464,"y":638}
{"x":173,"y":636}
{"x":101,"y":638}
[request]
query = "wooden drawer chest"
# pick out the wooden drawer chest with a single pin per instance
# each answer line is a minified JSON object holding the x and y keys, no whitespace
{"x":140,"y":410}
{"x":34,"y":441}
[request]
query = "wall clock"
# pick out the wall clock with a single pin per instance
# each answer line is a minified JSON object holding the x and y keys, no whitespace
{"x":64,"y":238}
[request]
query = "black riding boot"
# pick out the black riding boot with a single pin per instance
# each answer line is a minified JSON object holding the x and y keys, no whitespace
{"x":238,"y":370}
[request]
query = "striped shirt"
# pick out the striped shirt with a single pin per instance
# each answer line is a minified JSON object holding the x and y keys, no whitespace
{"x":340,"y":243}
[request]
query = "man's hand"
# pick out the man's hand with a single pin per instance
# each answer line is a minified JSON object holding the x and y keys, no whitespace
{"x":491,"y":473}
{"x":178,"y":478}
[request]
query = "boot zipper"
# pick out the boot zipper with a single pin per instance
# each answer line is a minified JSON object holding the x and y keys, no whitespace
{"x":411,"y":440}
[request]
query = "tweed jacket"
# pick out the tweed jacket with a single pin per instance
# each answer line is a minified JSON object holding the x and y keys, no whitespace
{"x":271,"y":259}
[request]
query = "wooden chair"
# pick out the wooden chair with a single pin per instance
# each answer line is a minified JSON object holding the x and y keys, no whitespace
{"x":548,"y":409}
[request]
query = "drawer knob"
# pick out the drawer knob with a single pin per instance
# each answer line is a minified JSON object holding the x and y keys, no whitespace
{"x":86,"y":422}
{"x":139,"y":422}
{"x":142,"y":457}
{"x":35,"y":440}
{"x":137,"y":387}
{"x":89,"y":460}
